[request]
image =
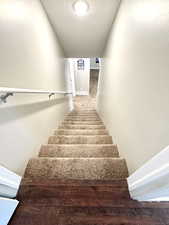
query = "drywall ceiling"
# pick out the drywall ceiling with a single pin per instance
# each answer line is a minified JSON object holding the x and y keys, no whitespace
{"x":82,"y":36}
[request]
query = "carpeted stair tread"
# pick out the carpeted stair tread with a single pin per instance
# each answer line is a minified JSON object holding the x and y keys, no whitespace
{"x":82,"y":122}
{"x":77,"y":168}
{"x":80,"y":139}
{"x":83,"y":111}
{"x":80,"y":113}
{"x":84,"y":126}
{"x":83,"y":114}
{"x":80,"y":132}
{"x":51,"y":150}
{"x":82,"y":119}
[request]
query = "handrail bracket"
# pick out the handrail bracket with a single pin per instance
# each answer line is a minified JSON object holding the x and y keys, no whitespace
{"x":51,"y":94}
{"x":3,"y":98}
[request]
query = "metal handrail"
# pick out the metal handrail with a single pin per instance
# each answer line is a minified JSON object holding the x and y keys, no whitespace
{"x":11,"y":91}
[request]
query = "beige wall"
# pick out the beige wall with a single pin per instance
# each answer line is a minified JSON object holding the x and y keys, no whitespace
{"x":30,"y":57}
{"x":134,"y":84}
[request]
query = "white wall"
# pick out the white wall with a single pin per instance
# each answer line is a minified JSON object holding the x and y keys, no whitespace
{"x":30,"y":57}
{"x":134,"y":84}
{"x":82,"y":77}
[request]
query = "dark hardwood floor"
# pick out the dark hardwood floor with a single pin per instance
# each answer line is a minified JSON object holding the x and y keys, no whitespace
{"x":76,"y":202}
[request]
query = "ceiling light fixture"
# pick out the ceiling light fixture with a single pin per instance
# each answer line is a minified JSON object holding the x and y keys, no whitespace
{"x":81,"y":7}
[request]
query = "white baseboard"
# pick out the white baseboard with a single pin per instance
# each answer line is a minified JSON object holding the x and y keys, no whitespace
{"x":151,"y":181}
{"x":7,"y":208}
{"x":9,"y":183}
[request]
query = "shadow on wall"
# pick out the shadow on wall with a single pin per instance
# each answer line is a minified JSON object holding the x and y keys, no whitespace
{"x":24,"y":110}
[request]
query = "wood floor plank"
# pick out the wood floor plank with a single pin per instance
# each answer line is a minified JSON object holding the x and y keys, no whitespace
{"x":50,"y":215}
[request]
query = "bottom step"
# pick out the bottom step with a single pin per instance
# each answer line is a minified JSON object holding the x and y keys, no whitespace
{"x":77,"y":168}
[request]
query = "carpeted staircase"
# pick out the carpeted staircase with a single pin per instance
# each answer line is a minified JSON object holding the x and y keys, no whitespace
{"x":86,"y":152}
{"x":80,"y":179}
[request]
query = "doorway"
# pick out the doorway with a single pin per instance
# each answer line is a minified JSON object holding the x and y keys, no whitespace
{"x":94,"y":76}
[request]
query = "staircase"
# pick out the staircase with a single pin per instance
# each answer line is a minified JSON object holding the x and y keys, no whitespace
{"x":79,"y":179}
{"x":82,"y":151}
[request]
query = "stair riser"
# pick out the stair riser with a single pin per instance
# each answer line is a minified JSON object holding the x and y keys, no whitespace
{"x":80,"y":132}
{"x":82,"y":122}
{"x":84,"y":111}
{"x":83,"y":127}
{"x":80,"y":139}
{"x":63,"y":193}
{"x":91,"y":148}
{"x":83,"y":114}
{"x":78,"y":152}
{"x":81,"y":119}
{"x":115,"y":183}
{"x":77,"y":168}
